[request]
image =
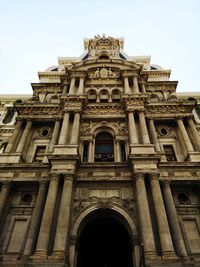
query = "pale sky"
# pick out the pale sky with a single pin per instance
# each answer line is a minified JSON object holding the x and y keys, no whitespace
{"x":33,"y":34}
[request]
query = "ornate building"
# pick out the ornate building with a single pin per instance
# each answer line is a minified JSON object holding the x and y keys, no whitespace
{"x":100,"y":167}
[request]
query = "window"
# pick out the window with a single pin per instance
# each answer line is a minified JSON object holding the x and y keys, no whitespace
{"x":104,"y":147}
{"x":85,"y":152}
{"x":3,"y":147}
{"x":169,"y":152}
{"x":39,"y":153}
{"x":9,"y":115}
{"x":123,"y":151}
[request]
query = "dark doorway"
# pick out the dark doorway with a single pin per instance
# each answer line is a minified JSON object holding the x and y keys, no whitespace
{"x":104,"y":242}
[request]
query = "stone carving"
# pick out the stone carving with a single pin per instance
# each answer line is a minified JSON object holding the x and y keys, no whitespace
{"x":119,"y":127}
{"x":104,"y":73}
{"x":129,"y":205}
{"x":103,"y":110}
{"x":104,"y":204}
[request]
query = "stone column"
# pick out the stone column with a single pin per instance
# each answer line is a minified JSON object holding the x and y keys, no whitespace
{"x":98,"y":97}
{"x":126,"y":85}
{"x":64,"y":92}
{"x":154,"y":135}
{"x":135,"y":85}
{"x":173,"y":220}
{"x":35,"y":220}
{"x":132,"y":128}
{"x":47,"y":219}
{"x":143,"y":126}
{"x":194,"y":132}
{"x":72,"y":86}
{"x":90,"y":151}
{"x":81,"y":86}
{"x":75,"y":129}
{"x":14,"y":136}
{"x":4,"y":194}
{"x":185,"y":136}
{"x":62,"y":231}
{"x":109,"y":97}
{"x":145,"y":218}
{"x":143,"y":87}
{"x":64,"y":129}
{"x":24,"y":137}
{"x":117,"y":151}
{"x":54,"y":135}
{"x":163,"y":227}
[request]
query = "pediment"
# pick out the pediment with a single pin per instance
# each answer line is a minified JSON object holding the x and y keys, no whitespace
{"x":91,"y":65}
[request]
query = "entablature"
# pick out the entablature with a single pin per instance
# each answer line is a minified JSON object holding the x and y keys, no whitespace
{"x":51,"y":77}
{"x":167,"y":109}
{"x":161,"y":86}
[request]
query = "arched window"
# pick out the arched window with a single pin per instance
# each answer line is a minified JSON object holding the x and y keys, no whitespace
{"x":92,"y":96}
{"x":104,"y":150}
{"x":104,"y":96}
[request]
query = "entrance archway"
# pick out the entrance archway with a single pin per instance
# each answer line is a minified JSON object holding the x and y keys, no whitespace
{"x":104,"y":241}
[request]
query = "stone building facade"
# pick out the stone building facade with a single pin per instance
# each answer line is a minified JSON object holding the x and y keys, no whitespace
{"x":100,"y":166}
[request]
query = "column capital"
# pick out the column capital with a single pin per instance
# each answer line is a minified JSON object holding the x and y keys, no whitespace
{"x":20,"y":119}
{"x":125,"y":74}
{"x":154,"y":176}
{"x":139,"y":176}
{"x":165,"y":182}
{"x":55,"y":176}
{"x":43,"y":183}
{"x":6,"y":184}
{"x":82,"y":75}
{"x":69,"y":177}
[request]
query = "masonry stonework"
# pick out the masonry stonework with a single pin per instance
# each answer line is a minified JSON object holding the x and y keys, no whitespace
{"x":100,"y":167}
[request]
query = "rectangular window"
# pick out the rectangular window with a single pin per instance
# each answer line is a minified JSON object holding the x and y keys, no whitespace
{"x":39,"y":153}
{"x":85,"y":153}
{"x":169,"y":152}
{"x":123,"y":151}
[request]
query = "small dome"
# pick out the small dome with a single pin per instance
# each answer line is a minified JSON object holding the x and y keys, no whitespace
{"x":52,"y":68}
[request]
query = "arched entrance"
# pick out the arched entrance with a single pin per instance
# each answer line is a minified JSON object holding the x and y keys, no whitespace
{"x":104,"y":241}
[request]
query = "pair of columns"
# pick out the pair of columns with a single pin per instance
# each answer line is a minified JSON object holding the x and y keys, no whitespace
{"x":132,"y":128}
{"x":72,"y":86}
{"x":186,"y":138}
{"x":135,"y":90}
{"x":65,"y":129}
{"x":62,"y":229}
{"x":23,"y":138}
{"x":167,"y":248}
{"x":127,"y":89}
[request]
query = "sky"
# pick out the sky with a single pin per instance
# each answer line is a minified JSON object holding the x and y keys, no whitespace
{"x":33,"y":34}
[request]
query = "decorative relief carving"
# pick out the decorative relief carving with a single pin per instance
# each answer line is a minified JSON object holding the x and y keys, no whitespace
{"x":103,"y":110}
{"x":104,"y":73}
{"x":104,"y":204}
{"x":33,"y":111}
{"x":170,"y":109}
{"x":187,"y":211}
{"x":129,"y":205}
{"x":88,"y":128}
{"x":73,"y":106}
{"x":21,"y":211}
